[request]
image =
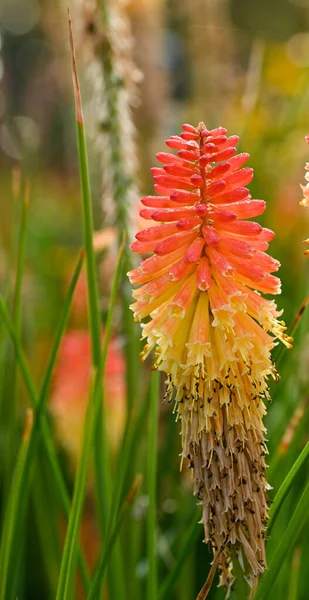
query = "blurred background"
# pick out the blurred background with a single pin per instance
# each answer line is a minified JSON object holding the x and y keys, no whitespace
{"x":234,"y":63}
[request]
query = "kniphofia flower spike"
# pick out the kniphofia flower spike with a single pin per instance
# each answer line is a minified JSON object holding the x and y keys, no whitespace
{"x":212,"y":330}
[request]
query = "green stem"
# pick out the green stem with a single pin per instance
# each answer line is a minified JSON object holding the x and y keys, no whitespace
{"x":284,"y":546}
{"x":116,"y":579}
{"x":184,"y":552}
{"x":61,"y":328}
{"x":126,"y":467}
{"x":100,"y":572}
{"x":294,"y":575}
{"x":16,"y":201}
{"x":101,"y":458}
{"x":292,"y":329}
{"x":102,"y":476}
{"x":40,"y":423}
{"x":42,"y":504}
{"x":286,"y":485}
{"x":20,"y":261}
{"x":132,"y":434}
{"x":9,"y":549}
{"x":92,"y":415}
{"x":132,"y":347}
{"x":19,"y":353}
{"x":69,"y":553}
{"x":10,"y":433}
{"x":152,"y":579}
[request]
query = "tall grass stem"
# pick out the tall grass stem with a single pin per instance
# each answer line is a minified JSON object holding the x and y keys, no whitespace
{"x":152,"y":579}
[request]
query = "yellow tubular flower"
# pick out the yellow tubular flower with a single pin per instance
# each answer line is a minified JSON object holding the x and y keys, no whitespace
{"x":213,"y":331}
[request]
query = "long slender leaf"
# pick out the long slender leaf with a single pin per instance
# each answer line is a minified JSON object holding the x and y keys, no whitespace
{"x":19,"y":353}
{"x":10,"y":409}
{"x":286,"y":485}
{"x":108,"y":331}
{"x":294,"y":576}
{"x":16,"y":201}
{"x":292,"y":329}
{"x":101,"y":459}
{"x":45,"y":521}
{"x":286,"y":544}
{"x":7,"y":578}
{"x":133,"y":431}
{"x":21,"y":259}
{"x":93,"y":412}
{"x":100,"y":572}
{"x":69,"y":552}
{"x":40,"y":423}
{"x":101,"y":462}
{"x":189,"y":540}
{"x":152,"y":582}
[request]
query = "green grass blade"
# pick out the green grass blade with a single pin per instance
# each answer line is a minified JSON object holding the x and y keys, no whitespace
{"x":292,"y":329}
{"x":38,"y":404}
{"x":295,"y":572}
{"x":19,"y":353}
{"x":16,"y":200}
{"x":7,"y":577}
{"x":64,"y":496}
{"x":21,"y":260}
{"x":116,"y":587}
{"x":100,"y":456}
{"x":69,"y":553}
{"x":152,"y":579}
{"x":93,"y":412}
{"x":61,"y":328}
{"x":128,"y":463}
{"x":44,"y":520}
{"x":286,"y":485}
{"x":10,"y":408}
{"x":101,"y":459}
{"x":285,"y":545}
{"x":100,"y":571}
{"x":133,"y":431}
{"x":109,"y":319}
{"x":189,"y":541}
{"x":62,"y":490}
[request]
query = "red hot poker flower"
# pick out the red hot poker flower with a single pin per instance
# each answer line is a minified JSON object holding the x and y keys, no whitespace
{"x":212,"y":330}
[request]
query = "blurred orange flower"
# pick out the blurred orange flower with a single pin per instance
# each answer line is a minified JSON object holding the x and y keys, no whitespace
{"x":71,"y":388}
